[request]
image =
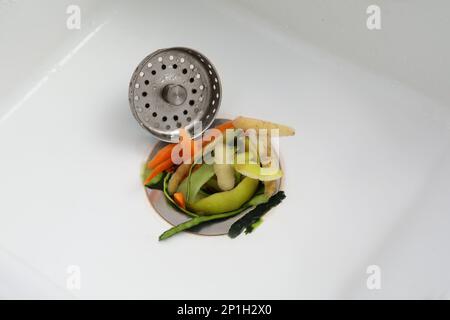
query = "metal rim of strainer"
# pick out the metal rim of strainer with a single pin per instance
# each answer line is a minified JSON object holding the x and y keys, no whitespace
{"x":175,"y":88}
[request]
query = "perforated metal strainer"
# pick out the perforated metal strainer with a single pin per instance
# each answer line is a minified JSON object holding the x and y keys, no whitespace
{"x":175,"y":88}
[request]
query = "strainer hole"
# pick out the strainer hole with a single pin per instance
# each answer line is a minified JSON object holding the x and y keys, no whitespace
{"x":159,"y":59}
{"x":185,"y":112}
{"x":188,"y":119}
{"x":191,"y":66}
{"x":147,"y":105}
{"x":167,"y":127}
{"x":191,"y":102}
{"x":184,"y":71}
{"x":144,"y":94}
{"x":174,"y":66}
{"x":153,"y":72}
{"x":164,"y":118}
{"x":146,"y":82}
{"x":154,"y":114}
{"x":178,"y":125}
{"x":191,"y":80}
{"x":171,"y":58}
{"x":182,"y":60}
{"x":194,"y":91}
{"x":163,"y":67}
{"x":175,"y":117}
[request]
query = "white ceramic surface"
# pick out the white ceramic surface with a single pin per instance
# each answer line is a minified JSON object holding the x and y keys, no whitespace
{"x":367,"y":173}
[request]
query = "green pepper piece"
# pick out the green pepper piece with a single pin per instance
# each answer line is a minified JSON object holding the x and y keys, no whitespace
{"x":195,"y":181}
{"x":228,"y":200}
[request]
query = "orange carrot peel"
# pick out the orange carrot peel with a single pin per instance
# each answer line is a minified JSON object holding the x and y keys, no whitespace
{"x":165,"y":165}
{"x":161,"y":156}
{"x":163,"y":159}
{"x":179,"y":199}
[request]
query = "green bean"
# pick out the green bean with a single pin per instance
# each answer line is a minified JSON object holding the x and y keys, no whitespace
{"x":194,"y":222}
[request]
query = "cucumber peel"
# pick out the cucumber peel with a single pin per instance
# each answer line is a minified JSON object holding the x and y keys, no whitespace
{"x":156,"y":182}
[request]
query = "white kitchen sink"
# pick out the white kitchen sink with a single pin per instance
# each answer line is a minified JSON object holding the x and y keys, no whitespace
{"x":367,"y":174}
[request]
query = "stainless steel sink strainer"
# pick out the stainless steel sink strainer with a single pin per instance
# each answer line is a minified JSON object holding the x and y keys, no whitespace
{"x":175,"y":88}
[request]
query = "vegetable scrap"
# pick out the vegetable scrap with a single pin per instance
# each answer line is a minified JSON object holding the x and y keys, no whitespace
{"x":232,"y":169}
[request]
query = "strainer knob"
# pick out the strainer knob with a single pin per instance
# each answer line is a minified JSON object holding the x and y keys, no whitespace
{"x":174,"y":94}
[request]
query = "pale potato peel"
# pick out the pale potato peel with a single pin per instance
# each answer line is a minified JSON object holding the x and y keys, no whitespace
{"x":245,"y":123}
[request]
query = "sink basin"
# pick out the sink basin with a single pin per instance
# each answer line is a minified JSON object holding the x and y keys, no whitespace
{"x":367,"y":175}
